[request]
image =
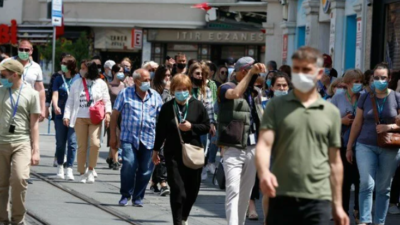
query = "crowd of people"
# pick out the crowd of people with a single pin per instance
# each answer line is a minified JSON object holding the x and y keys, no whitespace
{"x":301,"y":134}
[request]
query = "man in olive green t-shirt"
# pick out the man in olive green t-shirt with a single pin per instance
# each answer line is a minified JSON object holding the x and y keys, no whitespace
{"x":302,"y":131}
{"x":19,"y":139}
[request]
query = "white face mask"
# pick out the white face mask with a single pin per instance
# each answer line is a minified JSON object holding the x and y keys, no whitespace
{"x":304,"y":82}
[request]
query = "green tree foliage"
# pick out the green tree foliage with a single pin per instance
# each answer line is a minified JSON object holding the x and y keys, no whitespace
{"x":79,"y":49}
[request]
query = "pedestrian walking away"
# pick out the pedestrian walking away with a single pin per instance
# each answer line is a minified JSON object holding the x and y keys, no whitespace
{"x":139,"y":106}
{"x":193,"y":122}
{"x":302,"y":131}
{"x":19,"y":139}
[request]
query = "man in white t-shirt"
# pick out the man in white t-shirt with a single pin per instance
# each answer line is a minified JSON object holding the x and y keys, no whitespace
{"x":33,"y":74}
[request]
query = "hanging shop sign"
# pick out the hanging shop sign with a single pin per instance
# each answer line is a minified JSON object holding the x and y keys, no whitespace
{"x":8,"y":33}
{"x":114,"y":39}
{"x":209,"y":36}
{"x":56,"y":13}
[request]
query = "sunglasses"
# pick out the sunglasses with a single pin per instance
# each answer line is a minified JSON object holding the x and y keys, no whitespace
{"x":343,"y":87}
{"x":223,"y":72}
{"x":63,"y":63}
{"x":380,"y":78}
{"x":198,"y":73}
{"x":98,"y":66}
{"x":24,"y":49}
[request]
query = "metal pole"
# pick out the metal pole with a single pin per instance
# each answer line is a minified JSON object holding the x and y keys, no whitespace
{"x":53,"y":58}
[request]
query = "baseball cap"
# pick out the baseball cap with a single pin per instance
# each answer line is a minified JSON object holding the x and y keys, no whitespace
{"x":12,"y":65}
{"x":243,"y":63}
{"x":109,"y":64}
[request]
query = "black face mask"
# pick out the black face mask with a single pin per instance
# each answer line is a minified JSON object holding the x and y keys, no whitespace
{"x":181,"y":66}
{"x":197,"y":82}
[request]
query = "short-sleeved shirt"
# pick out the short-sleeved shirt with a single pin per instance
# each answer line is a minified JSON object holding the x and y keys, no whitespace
{"x":61,"y":87}
{"x":28,"y":104}
{"x":341,"y":101}
{"x":300,"y":151}
{"x":368,"y":135}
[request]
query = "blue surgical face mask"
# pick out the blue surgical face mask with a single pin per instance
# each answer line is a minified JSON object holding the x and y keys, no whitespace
{"x":280,"y":93}
{"x":356,"y":88}
{"x":380,"y":84}
{"x":327,"y":71}
{"x":152,"y":75}
{"x":268,"y":82}
{"x":339,"y":91}
{"x":6,"y":83}
{"x":145,"y":86}
{"x":181,"y":95}
{"x":120,"y":76}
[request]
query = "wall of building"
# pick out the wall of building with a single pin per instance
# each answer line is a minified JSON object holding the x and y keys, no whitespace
{"x":11,"y":10}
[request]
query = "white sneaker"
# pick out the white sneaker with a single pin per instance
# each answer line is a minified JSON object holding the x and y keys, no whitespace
{"x":204,"y":174}
{"x":90,"y":177}
{"x":94,"y":173}
{"x":65,"y":158}
{"x":70,"y":174}
{"x":185,"y":222}
{"x":83,"y":178}
{"x":211,"y":168}
{"x":55,"y":163}
{"x":60,"y":172}
{"x":394,"y":210}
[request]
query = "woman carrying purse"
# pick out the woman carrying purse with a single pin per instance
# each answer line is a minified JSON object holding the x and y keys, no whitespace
{"x":376,"y":164}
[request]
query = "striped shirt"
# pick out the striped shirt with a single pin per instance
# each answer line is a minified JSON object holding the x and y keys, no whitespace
{"x":138,"y":116}
{"x":207,"y":102}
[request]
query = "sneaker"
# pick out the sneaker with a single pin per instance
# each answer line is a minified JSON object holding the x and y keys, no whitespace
{"x":155,"y":188}
{"x":55,"y":163}
{"x":90,"y":177}
{"x":204,"y":174}
{"x":211,"y":168}
{"x":164,"y":191}
{"x":70,"y":174}
{"x":109,"y":162}
{"x":83,"y":178}
{"x":116,"y":166}
{"x":124,"y":201}
{"x":137,"y":203}
{"x":394,"y":210}
{"x":94,"y":172}
{"x":185,"y":222}
{"x":60,"y":172}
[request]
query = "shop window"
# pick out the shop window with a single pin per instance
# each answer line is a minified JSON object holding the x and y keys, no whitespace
{"x":157,"y":53}
{"x":49,"y":7}
{"x":350,"y":49}
{"x":301,"y":36}
{"x":392,"y":41}
{"x":1,"y":3}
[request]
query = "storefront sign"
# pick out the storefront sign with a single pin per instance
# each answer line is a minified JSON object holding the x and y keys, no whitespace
{"x":207,"y":36}
{"x":118,"y":38}
{"x":137,"y":37}
{"x":56,"y":13}
{"x":285,"y":47}
{"x":8,"y":34}
{"x":358,"y":44}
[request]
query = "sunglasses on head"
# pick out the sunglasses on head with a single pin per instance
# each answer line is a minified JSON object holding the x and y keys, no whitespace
{"x":24,"y":49}
{"x":380,"y":78}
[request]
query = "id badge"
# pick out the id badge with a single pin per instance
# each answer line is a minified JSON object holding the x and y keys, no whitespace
{"x":11,"y":129}
{"x":252,"y":139}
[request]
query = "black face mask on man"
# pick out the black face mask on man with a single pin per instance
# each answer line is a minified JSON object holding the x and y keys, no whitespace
{"x":181,"y":66}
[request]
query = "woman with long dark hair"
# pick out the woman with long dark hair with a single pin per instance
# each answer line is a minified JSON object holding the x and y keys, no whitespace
{"x":161,"y":82}
{"x":86,"y":92}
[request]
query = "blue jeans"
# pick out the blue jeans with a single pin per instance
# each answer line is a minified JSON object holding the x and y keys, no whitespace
{"x":64,"y":134}
{"x":377,"y":167}
{"x":136,"y":170}
{"x":212,"y":153}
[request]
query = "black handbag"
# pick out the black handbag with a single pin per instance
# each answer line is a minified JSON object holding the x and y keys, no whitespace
{"x":219,"y":176}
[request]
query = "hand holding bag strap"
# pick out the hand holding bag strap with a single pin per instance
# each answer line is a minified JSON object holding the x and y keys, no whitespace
{"x":177,"y":125}
{"x":374,"y":108}
{"x":86,"y":89}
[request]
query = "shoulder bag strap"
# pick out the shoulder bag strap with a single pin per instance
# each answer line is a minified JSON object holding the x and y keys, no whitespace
{"x":374,"y":108}
{"x":86,"y":89}
{"x":177,"y":125}
{"x":65,"y":83}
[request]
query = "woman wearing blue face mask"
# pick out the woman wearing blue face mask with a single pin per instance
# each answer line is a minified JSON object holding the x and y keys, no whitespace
{"x":193,"y":122}
{"x":346,"y":102}
{"x":114,"y":88}
{"x":336,"y":87}
{"x":376,"y":164}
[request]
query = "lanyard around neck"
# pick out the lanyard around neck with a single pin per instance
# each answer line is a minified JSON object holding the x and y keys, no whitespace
{"x":353,"y":105}
{"x":380,"y":107}
{"x":67,"y":84}
{"x":15,"y":107}
{"x":26,"y":71}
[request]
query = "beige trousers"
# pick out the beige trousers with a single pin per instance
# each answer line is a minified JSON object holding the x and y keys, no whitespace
{"x":85,"y":130}
{"x":15,"y":161}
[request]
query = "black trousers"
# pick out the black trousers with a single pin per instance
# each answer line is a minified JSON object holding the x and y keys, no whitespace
{"x":350,"y":176}
{"x":299,"y":211}
{"x":184,"y":185}
{"x":160,"y":171}
{"x":395,"y":190}
{"x":255,"y":193}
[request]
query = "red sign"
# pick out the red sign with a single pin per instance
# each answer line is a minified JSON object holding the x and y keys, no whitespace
{"x":285,"y":47}
{"x":8,"y":34}
{"x":137,"y":37}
